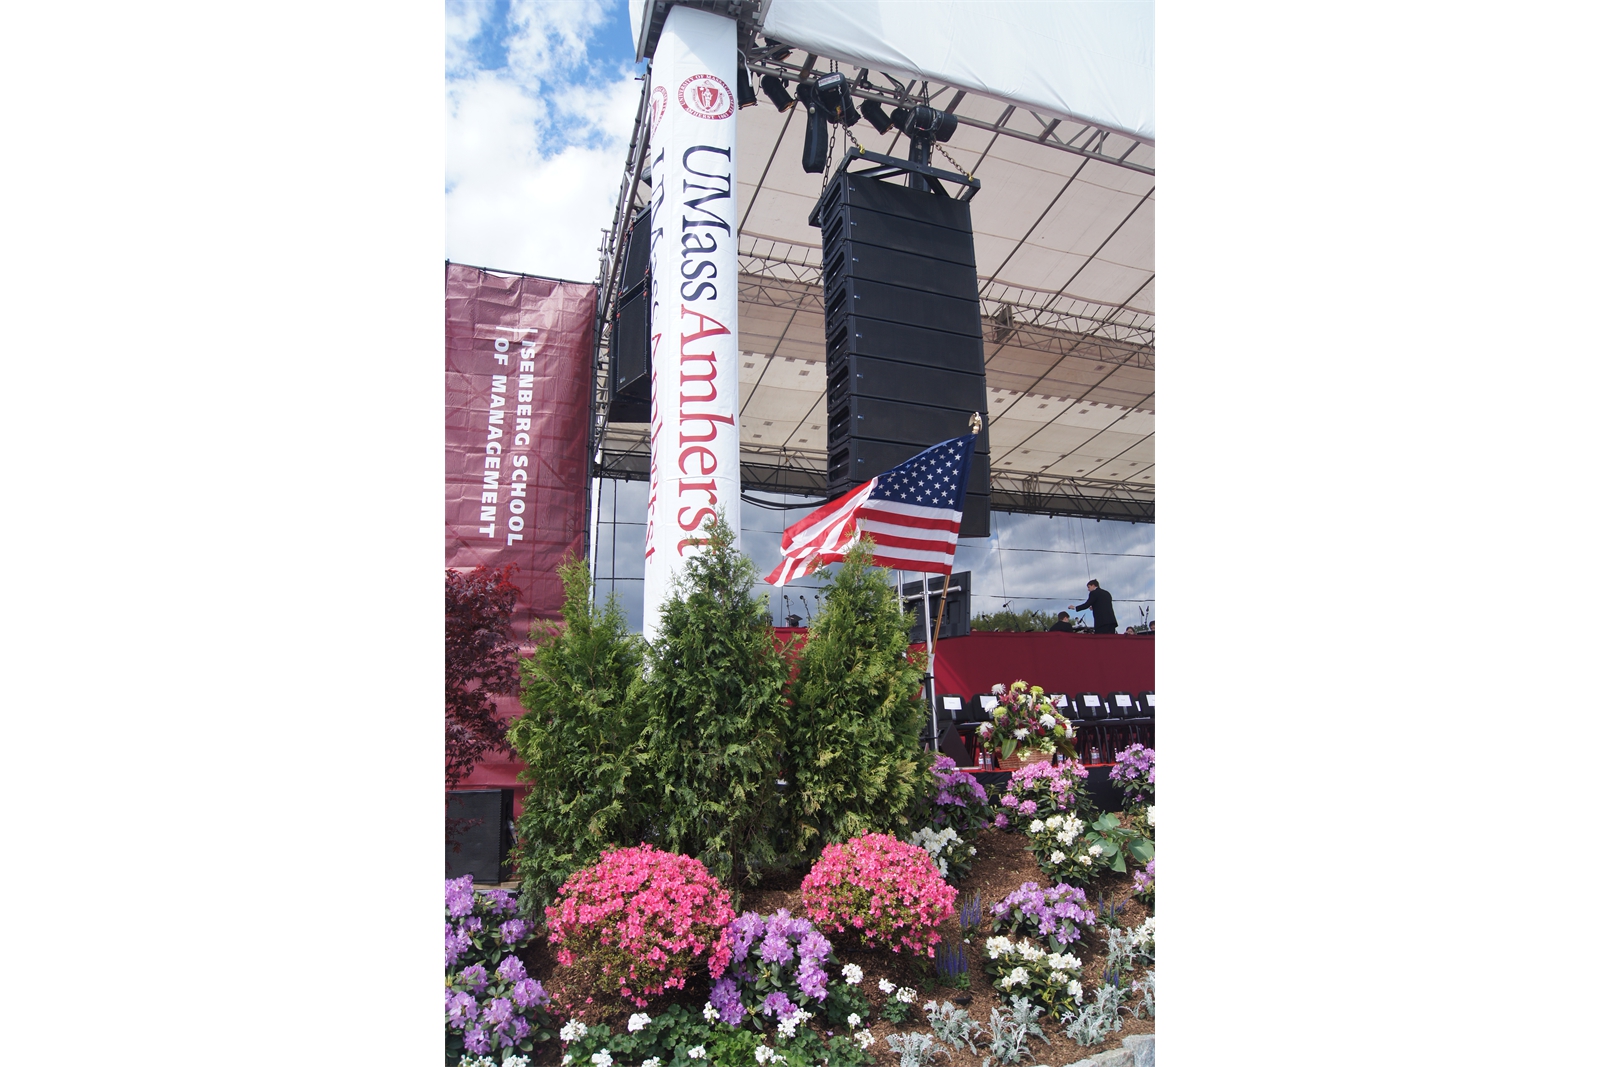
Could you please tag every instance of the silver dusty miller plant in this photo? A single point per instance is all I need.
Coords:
(1009, 1033)
(1099, 1018)
(954, 1026)
(1147, 1002)
(916, 1049)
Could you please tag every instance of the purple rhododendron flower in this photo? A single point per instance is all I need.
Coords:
(1028, 807)
(477, 1041)
(459, 1008)
(500, 901)
(458, 896)
(513, 930)
(511, 969)
(514, 1031)
(475, 978)
(775, 948)
(812, 979)
(498, 1011)
(1001, 822)
(725, 998)
(456, 942)
(528, 993)
(777, 1004)
(814, 946)
(1009, 800)
(472, 923)
(742, 933)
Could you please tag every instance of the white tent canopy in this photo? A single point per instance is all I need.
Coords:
(1064, 235)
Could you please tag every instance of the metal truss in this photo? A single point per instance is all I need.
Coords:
(792, 284)
(1086, 139)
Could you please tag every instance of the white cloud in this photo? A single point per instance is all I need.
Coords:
(535, 150)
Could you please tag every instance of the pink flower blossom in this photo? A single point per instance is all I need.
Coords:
(888, 890)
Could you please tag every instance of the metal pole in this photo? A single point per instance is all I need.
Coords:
(927, 639)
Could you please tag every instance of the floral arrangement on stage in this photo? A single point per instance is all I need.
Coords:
(1024, 719)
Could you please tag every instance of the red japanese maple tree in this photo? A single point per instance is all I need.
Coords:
(480, 660)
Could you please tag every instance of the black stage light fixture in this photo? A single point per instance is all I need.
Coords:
(746, 91)
(874, 114)
(923, 125)
(814, 153)
(833, 94)
(773, 86)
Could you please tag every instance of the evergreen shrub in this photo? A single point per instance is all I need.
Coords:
(715, 694)
(853, 750)
(581, 740)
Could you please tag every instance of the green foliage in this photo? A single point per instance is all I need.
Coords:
(580, 739)
(853, 752)
(1014, 621)
(1118, 844)
(715, 696)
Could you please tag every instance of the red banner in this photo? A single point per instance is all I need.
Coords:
(517, 360)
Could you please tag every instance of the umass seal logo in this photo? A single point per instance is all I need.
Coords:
(658, 107)
(705, 96)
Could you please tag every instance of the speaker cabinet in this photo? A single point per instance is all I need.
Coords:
(630, 330)
(480, 823)
(904, 333)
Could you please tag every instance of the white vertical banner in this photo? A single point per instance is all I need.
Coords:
(694, 302)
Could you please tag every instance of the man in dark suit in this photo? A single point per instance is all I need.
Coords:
(1099, 602)
(1063, 625)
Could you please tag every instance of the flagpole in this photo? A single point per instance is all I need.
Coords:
(927, 639)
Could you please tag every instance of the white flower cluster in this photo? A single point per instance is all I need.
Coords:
(698, 1052)
(1150, 816)
(638, 1021)
(790, 1023)
(1064, 961)
(906, 995)
(653, 1061)
(885, 986)
(1020, 733)
(1057, 856)
(710, 1013)
(1064, 828)
(852, 974)
(999, 947)
(1017, 977)
(1146, 933)
(1074, 987)
(854, 1020)
(601, 1059)
(510, 1061)
(1096, 851)
(573, 1031)
(865, 1039)
(765, 1055)
(938, 845)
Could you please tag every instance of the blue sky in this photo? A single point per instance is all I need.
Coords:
(540, 99)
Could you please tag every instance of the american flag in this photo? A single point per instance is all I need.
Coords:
(912, 511)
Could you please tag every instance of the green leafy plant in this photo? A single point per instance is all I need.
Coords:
(852, 745)
(1014, 621)
(1118, 843)
(715, 694)
(580, 738)
(1021, 968)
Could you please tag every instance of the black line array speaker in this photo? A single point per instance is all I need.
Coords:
(904, 334)
(481, 825)
(630, 330)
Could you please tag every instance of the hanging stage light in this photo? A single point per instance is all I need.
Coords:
(746, 91)
(873, 111)
(814, 152)
(833, 94)
(773, 86)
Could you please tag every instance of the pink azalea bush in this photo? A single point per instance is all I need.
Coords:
(887, 890)
(641, 919)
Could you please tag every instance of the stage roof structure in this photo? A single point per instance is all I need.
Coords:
(1064, 231)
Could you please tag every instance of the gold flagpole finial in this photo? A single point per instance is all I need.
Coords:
(976, 422)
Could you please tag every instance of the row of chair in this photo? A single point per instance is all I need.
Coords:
(1080, 707)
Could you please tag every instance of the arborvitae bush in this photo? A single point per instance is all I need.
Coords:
(715, 692)
(581, 741)
(854, 754)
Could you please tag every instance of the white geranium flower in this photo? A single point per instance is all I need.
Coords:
(637, 1021)
(710, 1013)
(852, 974)
(573, 1031)
(885, 985)
(698, 1052)
(601, 1059)
(854, 1020)
(865, 1038)
(906, 995)
(653, 1061)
